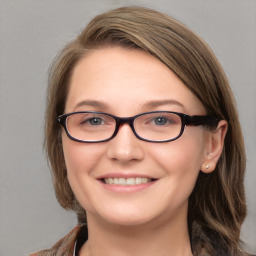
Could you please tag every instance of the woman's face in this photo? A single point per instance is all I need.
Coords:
(125, 83)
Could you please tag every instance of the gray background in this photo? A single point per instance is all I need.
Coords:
(31, 33)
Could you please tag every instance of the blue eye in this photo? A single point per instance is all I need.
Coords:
(95, 121)
(160, 120)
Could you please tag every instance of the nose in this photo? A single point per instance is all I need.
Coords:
(125, 147)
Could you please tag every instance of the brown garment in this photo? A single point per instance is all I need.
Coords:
(64, 247)
(202, 244)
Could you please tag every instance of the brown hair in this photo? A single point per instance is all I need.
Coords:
(218, 201)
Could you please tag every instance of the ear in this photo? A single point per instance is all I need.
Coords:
(215, 143)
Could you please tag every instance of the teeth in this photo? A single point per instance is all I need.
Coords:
(137, 181)
(127, 182)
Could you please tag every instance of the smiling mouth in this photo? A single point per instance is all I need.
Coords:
(127, 181)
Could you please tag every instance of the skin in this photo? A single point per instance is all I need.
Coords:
(151, 221)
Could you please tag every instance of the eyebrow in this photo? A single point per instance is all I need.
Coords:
(92, 103)
(157, 103)
(149, 104)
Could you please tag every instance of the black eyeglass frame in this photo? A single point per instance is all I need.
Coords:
(186, 120)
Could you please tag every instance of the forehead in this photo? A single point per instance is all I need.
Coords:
(125, 79)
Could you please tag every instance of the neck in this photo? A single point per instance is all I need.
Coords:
(169, 239)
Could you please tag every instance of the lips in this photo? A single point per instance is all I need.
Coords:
(127, 181)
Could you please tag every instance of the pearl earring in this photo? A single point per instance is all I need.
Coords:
(207, 166)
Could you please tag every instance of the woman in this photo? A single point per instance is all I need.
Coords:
(147, 147)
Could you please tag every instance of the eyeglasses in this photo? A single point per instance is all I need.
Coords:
(157, 126)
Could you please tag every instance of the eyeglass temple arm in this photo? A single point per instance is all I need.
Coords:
(210, 121)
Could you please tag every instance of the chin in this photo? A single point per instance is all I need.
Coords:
(127, 222)
(126, 218)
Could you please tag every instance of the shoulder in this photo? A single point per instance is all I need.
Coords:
(207, 242)
(64, 247)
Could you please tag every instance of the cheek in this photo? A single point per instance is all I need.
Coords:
(182, 156)
(181, 160)
(80, 158)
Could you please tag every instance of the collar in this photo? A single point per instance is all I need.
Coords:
(204, 243)
(200, 242)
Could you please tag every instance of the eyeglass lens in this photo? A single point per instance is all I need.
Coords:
(97, 126)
